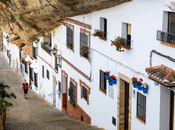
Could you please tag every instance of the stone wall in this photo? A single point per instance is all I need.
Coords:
(2, 120)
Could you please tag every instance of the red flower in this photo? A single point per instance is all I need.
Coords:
(112, 41)
(111, 44)
(123, 50)
(141, 79)
(120, 50)
(115, 44)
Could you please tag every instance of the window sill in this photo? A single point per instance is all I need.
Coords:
(126, 47)
(167, 44)
(102, 39)
(102, 91)
(140, 120)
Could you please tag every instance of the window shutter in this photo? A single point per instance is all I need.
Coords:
(86, 40)
(124, 30)
(37, 80)
(83, 91)
(171, 28)
(56, 65)
(102, 24)
(34, 52)
(81, 40)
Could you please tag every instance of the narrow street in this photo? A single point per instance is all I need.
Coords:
(33, 113)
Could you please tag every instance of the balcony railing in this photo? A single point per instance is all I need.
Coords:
(166, 37)
(127, 43)
(46, 47)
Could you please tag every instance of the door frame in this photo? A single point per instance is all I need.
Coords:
(63, 72)
(121, 90)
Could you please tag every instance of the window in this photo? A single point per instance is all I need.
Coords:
(171, 23)
(103, 28)
(113, 121)
(141, 106)
(102, 82)
(81, 118)
(84, 46)
(43, 71)
(36, 79)
(31, 74)
(70, 37)
(47, 74)
(126, 34)
(56, 65)
(35, 52)
(72, 94)
(84, 92)
(26, 67)
(59, 86)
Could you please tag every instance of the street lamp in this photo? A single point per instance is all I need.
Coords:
(54, 50)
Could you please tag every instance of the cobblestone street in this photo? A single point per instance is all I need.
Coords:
(33, 113)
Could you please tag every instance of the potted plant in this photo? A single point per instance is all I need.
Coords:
(97, 33)
(107, 74)
(145, 88)
(114, 80)
(118, 42)
(73, 103)
(139, 83)
(134, 82)
(84, 51)
(110, 81)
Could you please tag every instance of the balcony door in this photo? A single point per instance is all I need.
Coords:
(171, 110)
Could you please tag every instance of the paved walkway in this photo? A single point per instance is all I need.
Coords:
(34, 113)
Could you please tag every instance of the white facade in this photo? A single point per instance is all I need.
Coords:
(145, 18)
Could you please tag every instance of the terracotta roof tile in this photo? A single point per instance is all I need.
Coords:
(162, 74)
(7, 30)
(28, 50)
(17, 42)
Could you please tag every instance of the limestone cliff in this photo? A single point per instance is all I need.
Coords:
(39, 17)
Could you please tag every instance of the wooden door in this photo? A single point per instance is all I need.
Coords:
(126, 108)
(171, 110)
(64, 92)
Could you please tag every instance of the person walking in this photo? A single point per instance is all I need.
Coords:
(25, 88)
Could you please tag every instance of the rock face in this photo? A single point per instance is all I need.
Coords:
(39, 17)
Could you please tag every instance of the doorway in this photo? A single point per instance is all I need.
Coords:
(64, 92)
(54, 91)
(171, 110)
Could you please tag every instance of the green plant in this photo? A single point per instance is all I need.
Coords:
(19, 16)
(118, 42)
(145, 85)
(96, 33)
(107, 72)
(134, 80)
(139, 82)
(3, 95)
(73, 103)
(110, 79)
(84, 48)
(37, 40)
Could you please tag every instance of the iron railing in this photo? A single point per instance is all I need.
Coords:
(127, 43)
(166, 37)
(46, 48)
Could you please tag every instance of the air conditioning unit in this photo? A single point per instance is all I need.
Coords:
(59, 61)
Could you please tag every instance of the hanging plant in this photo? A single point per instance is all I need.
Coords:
(110, 81)
(139, 83)
(107, 74)
(114, 80)
(145, 88)
(118, 42)
(134, 82)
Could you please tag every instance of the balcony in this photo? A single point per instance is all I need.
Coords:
(127, 43)
(46, 46)
(166, 38)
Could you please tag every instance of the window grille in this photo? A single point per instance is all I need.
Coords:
(35, 52)
(72, 92)
(43, 71)
(36, 79)
(31, 74)
(102, 81)
(26, 67)
(141, 106)
(84, 46)
(84, 92)
(69, 38)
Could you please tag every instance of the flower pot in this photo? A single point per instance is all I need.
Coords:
(110, 83)
(145, 90)
(134, 85)
(139, 87)
(99, 34)
(106, 76)
(114, 81)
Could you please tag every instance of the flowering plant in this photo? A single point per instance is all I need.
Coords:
(110, 79)
(113, 77)
(118, 42)
(107, 72)
(139, 82)
(145, 85)
(134, 80)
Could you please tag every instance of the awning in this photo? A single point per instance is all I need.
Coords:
(162, 74)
